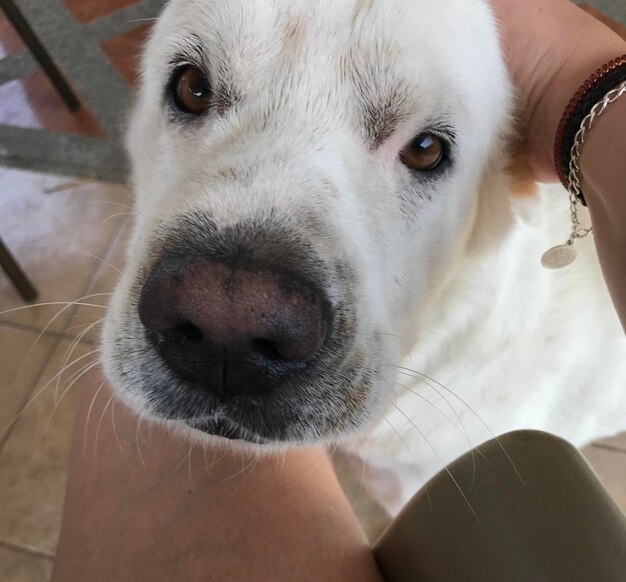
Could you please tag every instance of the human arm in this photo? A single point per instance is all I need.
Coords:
(552, 47)
(168, 513)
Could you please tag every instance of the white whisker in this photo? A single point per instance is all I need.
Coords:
(243, 470)
(250, 470)
(411, 453)
(69, 353)
(206, 461)
(40, 392)
(497, 440)
(74, 250)
(117, 436)
(172, 473)
(95, 445)
(113, 216)
(72, 381)
(93, 402)
(73, 328)
(443, 464)
(43, 331)
(140, 432)
(138, 442)
(105, 203)
(460, 427)
(191, 448)
(53, 303)
(437, 409)
(216, 462)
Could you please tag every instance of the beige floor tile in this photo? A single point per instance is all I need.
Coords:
(34, 461)
(53, 232)
(618, 442)
(19, 369)
(104, 282)
(22, 567)
(611, 467)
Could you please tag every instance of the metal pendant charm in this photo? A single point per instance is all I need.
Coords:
(559, 257)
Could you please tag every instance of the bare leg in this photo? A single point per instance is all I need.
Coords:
(170, 514)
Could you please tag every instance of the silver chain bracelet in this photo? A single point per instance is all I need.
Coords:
(564, 255)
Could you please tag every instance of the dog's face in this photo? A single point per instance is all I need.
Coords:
(306, 175)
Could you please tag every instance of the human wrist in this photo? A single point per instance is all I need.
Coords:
(603, 175)
(555, 96)
(606, 136)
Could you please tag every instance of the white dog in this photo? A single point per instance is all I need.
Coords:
(331, 244)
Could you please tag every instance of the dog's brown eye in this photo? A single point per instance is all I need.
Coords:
(424, 153)
(192, 91)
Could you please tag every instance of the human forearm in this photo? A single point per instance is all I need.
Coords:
(170, 514)
(603, 165)
(551, 47)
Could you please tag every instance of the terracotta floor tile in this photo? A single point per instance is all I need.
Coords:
(35, 459)
(105, 282)
(56, 238)
(10, 41)
(89, 10)
(19, 369)
(33, 102)
(124, 51)
(22, 567)
(611, 468)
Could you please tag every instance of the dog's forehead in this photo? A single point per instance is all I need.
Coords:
(390, 35)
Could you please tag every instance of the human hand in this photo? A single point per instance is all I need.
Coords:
(551, 47)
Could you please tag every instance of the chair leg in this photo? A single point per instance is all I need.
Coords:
(40, 54)
(16, 275)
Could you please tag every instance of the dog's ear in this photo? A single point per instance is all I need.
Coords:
(522, 184)
(519, 171)
(507, 195)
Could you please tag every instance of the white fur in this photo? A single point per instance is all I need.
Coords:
(507, 346)
(450, 284)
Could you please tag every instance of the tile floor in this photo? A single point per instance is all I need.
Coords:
(70, 237)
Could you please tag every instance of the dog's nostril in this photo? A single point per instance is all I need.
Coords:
(266, 349)
(189, 332)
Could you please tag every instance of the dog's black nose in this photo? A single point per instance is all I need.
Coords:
(229, 329)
